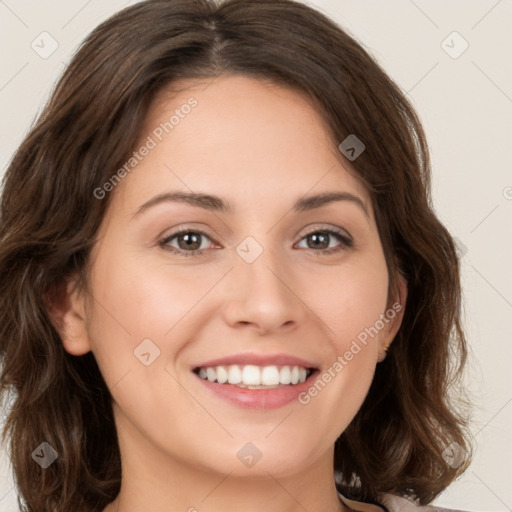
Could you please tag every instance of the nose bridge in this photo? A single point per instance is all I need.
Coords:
(261, 264)
(263, 286)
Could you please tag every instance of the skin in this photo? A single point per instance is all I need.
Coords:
(260, 147)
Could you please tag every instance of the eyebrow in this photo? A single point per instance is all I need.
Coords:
(216, 204)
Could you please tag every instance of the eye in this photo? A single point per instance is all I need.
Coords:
(189, 242)
(320, 238)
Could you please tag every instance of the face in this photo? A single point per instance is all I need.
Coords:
(261, 281)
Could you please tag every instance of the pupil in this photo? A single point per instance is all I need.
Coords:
(315, 237)
(191, 238)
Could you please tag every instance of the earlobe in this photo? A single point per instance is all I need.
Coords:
(66, 309)
(395, 315)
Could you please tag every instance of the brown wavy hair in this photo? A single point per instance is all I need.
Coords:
(50, 217)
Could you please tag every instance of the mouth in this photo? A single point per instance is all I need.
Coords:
(256, 381)
(248, 376)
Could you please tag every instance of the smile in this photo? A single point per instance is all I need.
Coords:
(255, 377)
(256, 387)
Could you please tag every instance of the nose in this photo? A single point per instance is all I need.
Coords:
(264, 295)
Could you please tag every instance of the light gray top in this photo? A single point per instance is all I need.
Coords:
(394, 504)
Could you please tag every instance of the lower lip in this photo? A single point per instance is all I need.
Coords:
(258, 398)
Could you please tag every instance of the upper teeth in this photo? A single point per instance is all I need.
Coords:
(254, 375)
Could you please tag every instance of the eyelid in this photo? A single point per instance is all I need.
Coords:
(166, 239)
(328, 228)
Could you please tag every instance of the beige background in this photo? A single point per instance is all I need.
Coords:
(466, 107)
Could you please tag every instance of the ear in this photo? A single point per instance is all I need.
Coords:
(66, 309)
(394, 316)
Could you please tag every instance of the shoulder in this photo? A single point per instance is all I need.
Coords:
(394, 503)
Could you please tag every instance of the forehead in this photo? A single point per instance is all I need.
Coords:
(240, 137)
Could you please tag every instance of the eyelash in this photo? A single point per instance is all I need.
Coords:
(346, 242)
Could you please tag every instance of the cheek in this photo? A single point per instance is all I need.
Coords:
(358, 299)
(351, 309)
(351, 301)
(136, 300)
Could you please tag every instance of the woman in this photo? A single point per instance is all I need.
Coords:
(224, 283)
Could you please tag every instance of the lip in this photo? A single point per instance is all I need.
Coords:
(257, 360)
(257, 399)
